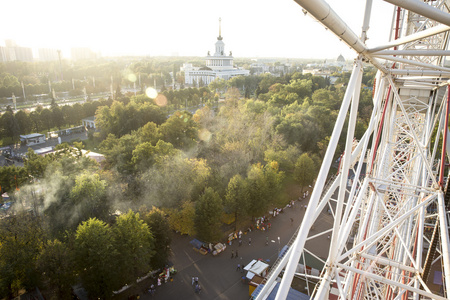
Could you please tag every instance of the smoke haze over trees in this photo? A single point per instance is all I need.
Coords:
(184, 172)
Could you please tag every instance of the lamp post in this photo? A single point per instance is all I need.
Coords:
(14, 101)
(279, 245)
(23, 91)
(60, 67)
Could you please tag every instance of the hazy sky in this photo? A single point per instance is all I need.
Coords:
(250, 28)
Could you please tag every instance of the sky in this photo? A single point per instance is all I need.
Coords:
(250, 28)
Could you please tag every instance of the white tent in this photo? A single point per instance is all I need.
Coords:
(256, 267)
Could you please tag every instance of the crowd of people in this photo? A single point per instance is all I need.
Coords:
(261, 223)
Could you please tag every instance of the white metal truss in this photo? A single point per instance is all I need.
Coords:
(388, 233)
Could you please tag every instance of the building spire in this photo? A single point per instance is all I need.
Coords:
(220, 36)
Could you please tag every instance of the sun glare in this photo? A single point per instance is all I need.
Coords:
(132, 77)
(151, 93)
(161, 100)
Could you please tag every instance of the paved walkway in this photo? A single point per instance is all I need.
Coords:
(217, 274)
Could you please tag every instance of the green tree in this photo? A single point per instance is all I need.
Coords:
(208, 213)
(68, 115)
(35, 121)
(263, 183)
(286, 158)
(236, 198)
(46, 118)
(149, 133)
(95, 258)
(273, 178)
(302, 87)
(305, 170)
(71, 161)
(173, 181)
(237, 82)
(134, 244)
(180, 130)
(23, 121)
(119, 153)
(56, 263)
(121, 119)
(232, 96)
(218, 85)
(36, 164)
(10, 80)
(21, 238)
(12, 178)
(9, 126)
(145, 155)
(88, 198)
(159, 227)
(182, 219)
(107, 120)
(76, 114)
(257, 201)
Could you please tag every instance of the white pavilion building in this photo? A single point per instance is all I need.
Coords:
(218, 65)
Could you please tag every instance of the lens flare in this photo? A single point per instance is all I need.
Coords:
(204, 135)
(161, 100)
(132, 77)
(151, 93)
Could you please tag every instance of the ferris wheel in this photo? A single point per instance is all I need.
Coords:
(379, 228)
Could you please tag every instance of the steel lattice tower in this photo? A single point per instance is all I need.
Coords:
(388, 232)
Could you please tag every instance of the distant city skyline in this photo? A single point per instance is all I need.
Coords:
(250, 28)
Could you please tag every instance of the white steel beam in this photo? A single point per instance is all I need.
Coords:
(445, 242)
(320, 182)
(321, 11)
(388, 262)
(413, 52)
(423, 9)
(415, 139)
(413, 63)
(430, 32)
(425, 73)
(391, 282)
(369, 241)
(386, 212)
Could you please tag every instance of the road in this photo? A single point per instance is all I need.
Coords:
(217, 274)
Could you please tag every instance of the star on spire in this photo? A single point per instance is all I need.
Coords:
(220, 36)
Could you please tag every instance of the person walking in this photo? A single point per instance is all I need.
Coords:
(238, 267)
(292, 221)
(237, 254)
(232, 253)
(152, 290)
(240, 242)
(249, 241)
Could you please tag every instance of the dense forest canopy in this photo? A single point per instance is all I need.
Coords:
(165, 169)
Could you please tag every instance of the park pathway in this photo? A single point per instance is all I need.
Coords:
(217, 274)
